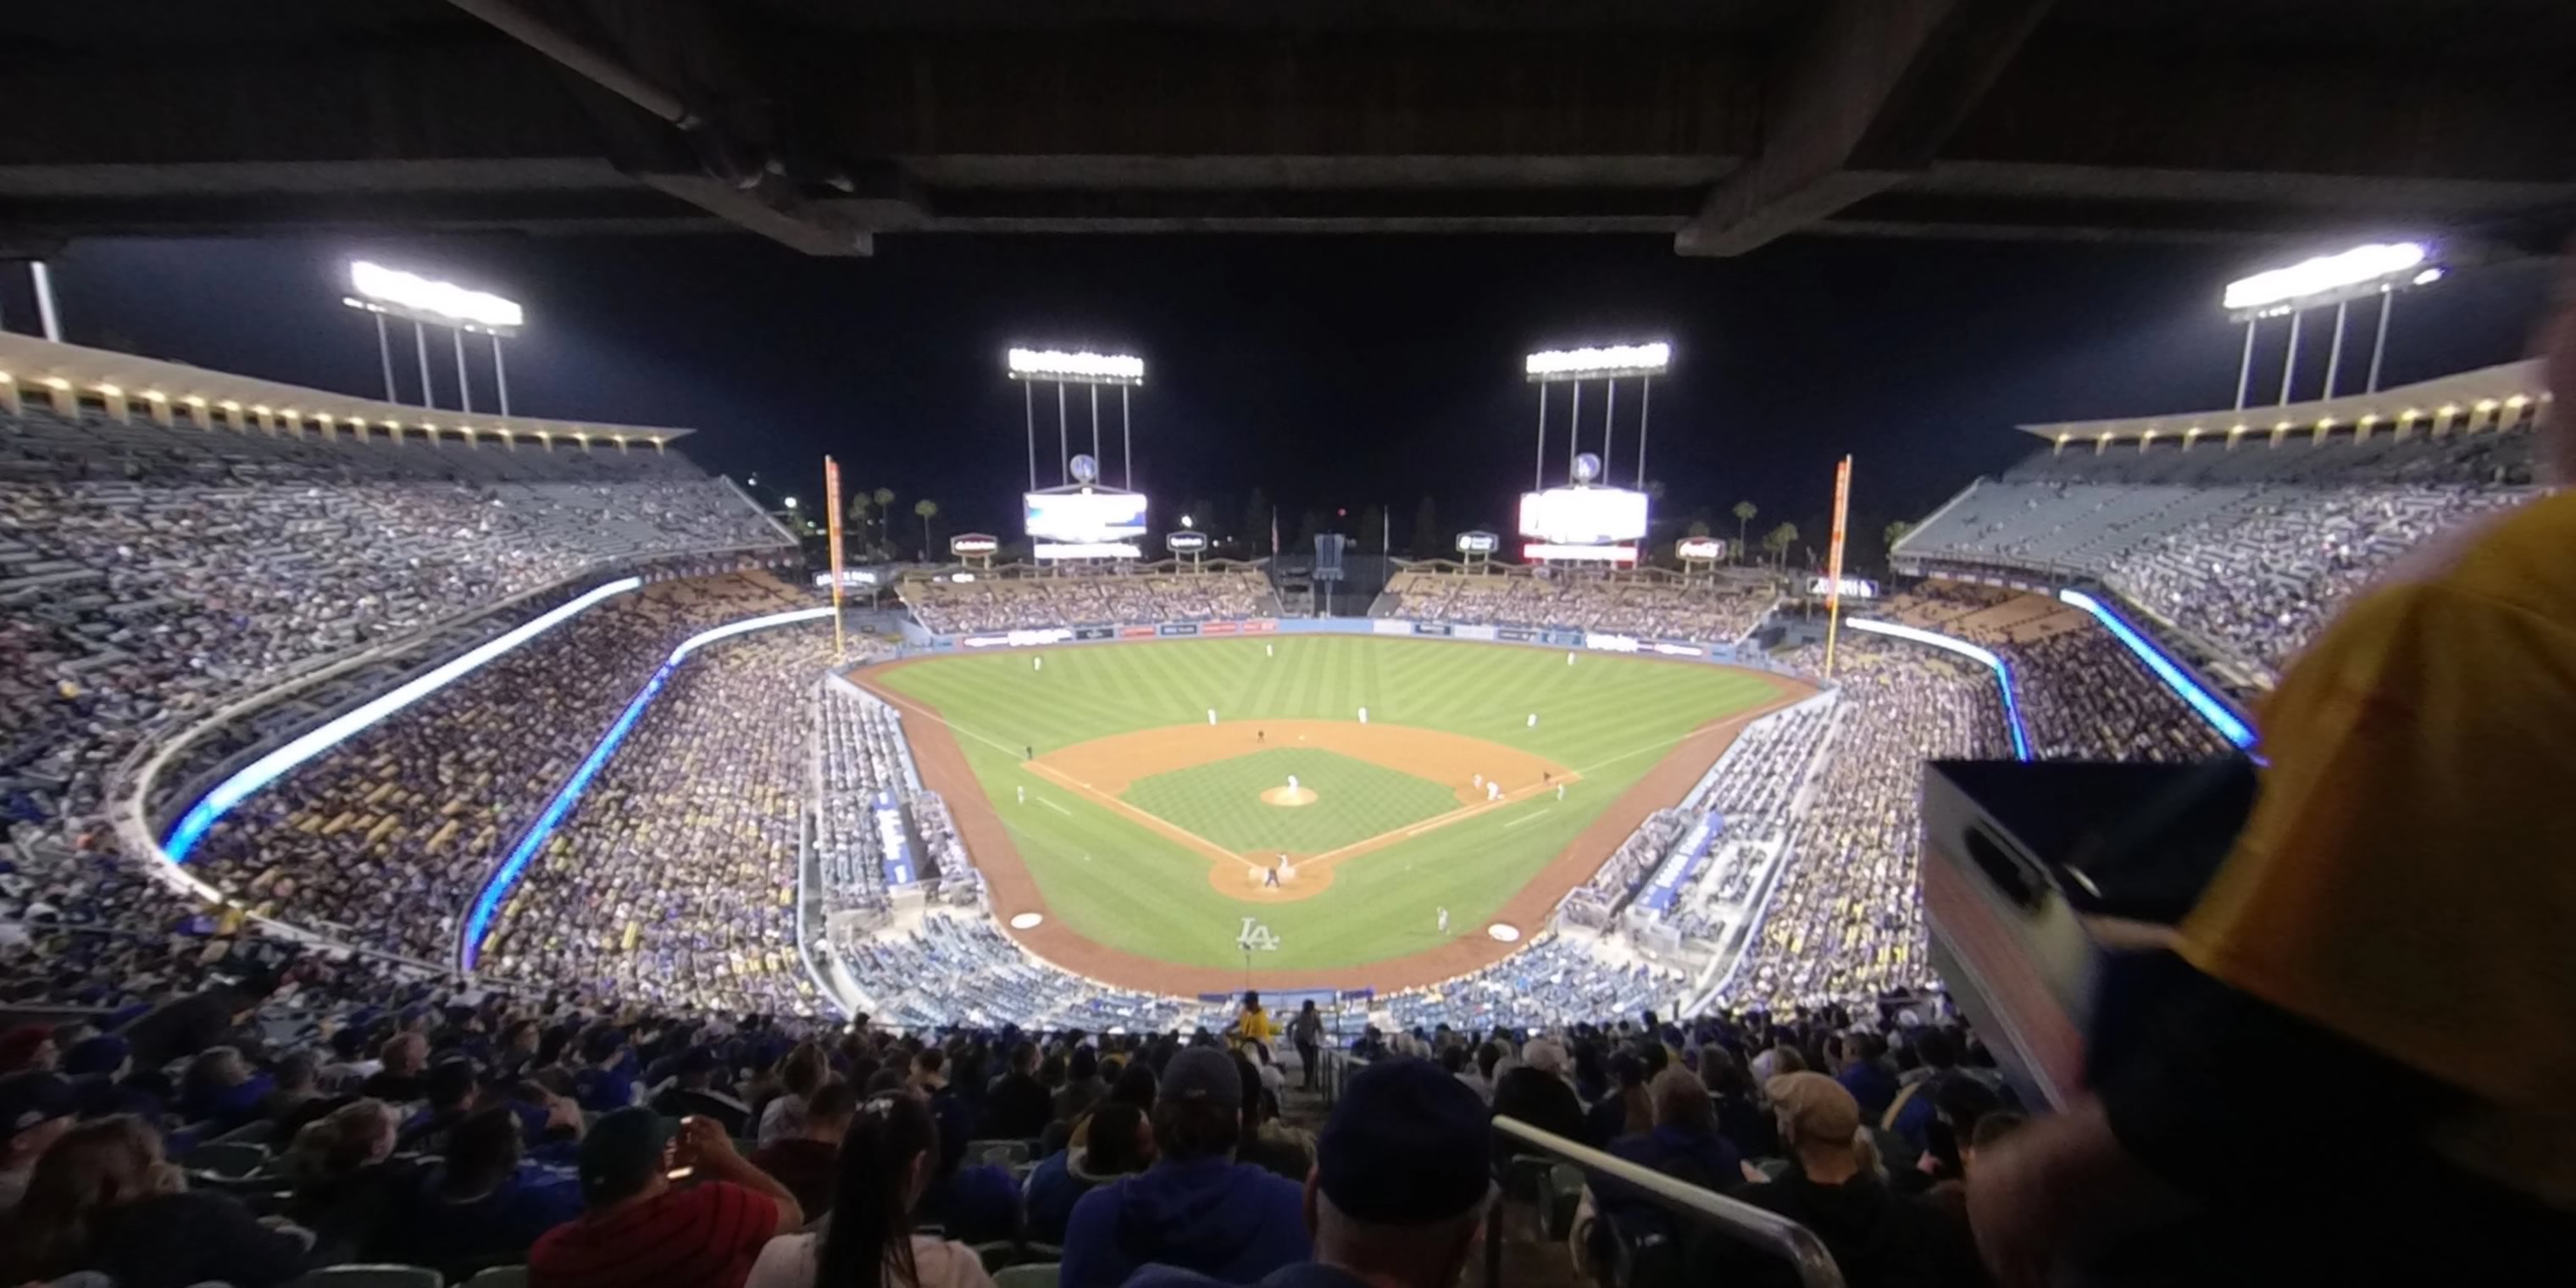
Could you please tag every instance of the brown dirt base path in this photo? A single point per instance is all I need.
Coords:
(944, 770)
(1102, 769)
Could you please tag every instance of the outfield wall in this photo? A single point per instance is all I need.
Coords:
(918, 640)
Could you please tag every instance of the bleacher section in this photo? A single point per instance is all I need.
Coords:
(1035, 601)
(2245, 547)
(1649, 604)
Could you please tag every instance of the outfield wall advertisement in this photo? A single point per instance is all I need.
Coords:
(918, 640)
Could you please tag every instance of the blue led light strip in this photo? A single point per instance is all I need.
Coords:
(267, 769)
(2200, 699)
(487, 903)
(1953, 644)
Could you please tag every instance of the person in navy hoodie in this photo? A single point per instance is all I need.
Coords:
(1196, 1209)
(1399, 1192)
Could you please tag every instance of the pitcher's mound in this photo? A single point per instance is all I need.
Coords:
(1289, 796)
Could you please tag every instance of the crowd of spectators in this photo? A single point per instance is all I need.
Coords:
(673, 880)
(1226, 592)
(2085, 696)
(382, 839)
(150, 574)
(2261, 580)
(2251, 547)
(1650, 604)
(1561, 973)
(1846, 918)
(864, 765)
(958, 967)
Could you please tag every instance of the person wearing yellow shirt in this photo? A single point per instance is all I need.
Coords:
(2366, 1070)
(1254, 1024)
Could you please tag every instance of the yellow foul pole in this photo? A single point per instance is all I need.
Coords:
(1834, 562)
(832, 526)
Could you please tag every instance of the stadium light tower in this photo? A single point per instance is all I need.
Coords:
(1608, 364)
(2378, 268)
(425, 302)
(1033, 367)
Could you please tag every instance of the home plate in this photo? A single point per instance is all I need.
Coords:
(1290, 796)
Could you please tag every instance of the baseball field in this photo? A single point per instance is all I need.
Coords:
(1097, 793)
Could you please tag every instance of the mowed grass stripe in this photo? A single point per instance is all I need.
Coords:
(1143, 893)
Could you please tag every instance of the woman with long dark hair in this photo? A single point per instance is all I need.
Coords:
(888, 1158)
(102, 1199)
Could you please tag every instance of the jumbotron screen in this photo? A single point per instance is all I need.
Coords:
(1580, 516)
(1085, 517)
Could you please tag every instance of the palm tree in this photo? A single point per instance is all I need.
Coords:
(1778, 541)
(927, 509)
(885, 508)
(1744, 513)
(855, 511)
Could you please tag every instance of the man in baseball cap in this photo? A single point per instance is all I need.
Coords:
(35, 1110)
(1196, 1209)
(1876, 1235)
(1399, 1190)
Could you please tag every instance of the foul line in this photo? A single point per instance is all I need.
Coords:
(1151, 821)
(1053, 806)
(1527, 817)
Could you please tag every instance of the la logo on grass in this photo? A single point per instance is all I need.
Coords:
(1257, 936)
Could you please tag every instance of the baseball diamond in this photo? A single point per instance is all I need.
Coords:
(1094, 789)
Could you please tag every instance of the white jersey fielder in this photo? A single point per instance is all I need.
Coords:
(1444, 921)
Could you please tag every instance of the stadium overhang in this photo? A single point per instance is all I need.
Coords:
(69, 377)
(2506, 396)
(1721, 124)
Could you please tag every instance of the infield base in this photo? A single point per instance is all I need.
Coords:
(1289, 796)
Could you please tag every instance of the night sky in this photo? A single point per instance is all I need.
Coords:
(1329, 371)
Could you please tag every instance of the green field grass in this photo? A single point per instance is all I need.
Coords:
(1120, 883)
(1354, 800)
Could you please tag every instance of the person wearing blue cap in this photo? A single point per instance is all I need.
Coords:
(1399, 1191)
(1196, 1209)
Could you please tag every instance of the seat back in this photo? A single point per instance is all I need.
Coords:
(1035, 1275)
(376, 1276)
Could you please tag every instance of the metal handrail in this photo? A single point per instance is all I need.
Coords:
(1769, 1231)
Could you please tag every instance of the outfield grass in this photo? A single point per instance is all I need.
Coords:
(1120, 883)
(1354, 800)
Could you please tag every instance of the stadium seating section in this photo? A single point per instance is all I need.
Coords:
(2245, 550)
(1650, 604)
(1222, 592)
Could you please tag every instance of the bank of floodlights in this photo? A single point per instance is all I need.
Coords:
(1034, 367)
(2378, 268)
(427, 302)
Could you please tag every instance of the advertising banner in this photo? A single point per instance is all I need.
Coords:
(1095, 632)
(1431, 628)
(1611, 643)
(1561, 639)
(1475, 632)
(1216, 628)
(1391, 626)
(1019, 639)
(1514, 634)
(1135, 632)
(1260, 626)
(1177, 628)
